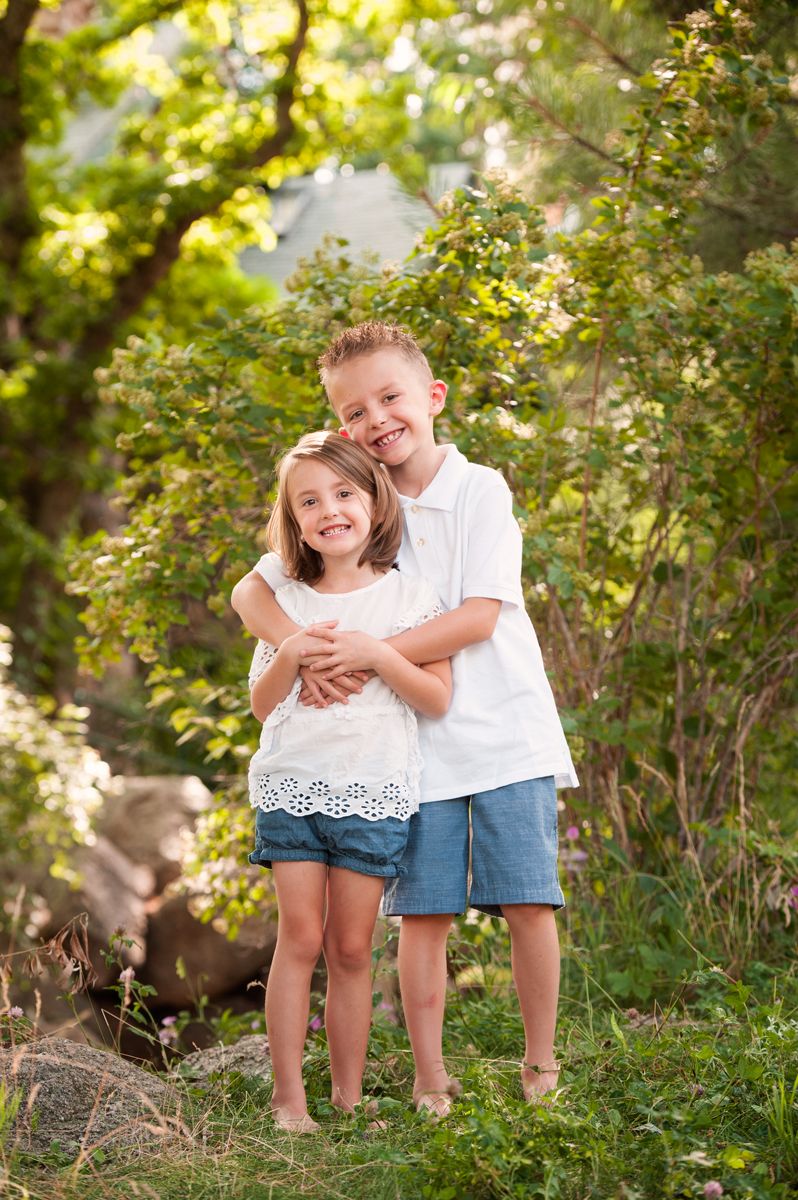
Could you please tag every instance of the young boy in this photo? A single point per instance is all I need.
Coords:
(492, 763)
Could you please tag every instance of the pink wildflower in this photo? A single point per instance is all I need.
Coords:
(126, 977)
(713, 1189)
(169, 1020)
(15, 1011)
(315, 1024)
(572, 833)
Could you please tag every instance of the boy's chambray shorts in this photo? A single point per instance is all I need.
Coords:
(513, 847)
(370, 847)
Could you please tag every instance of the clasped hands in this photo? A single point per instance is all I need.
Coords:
(335, 664)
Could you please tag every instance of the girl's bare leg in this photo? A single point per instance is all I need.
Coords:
(422, 978)
(536, 971)
(300, 888)
(353, 901)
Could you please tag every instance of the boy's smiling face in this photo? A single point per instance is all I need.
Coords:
(386, 404)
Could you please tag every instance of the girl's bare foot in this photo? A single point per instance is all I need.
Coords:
(540, 1082)
(292, 1123)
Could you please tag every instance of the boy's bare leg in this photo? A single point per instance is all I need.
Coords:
(353, 901)
(536, 971)
(300, 888)
(422, 979)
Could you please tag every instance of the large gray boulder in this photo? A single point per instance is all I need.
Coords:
(147, 816)
(114, 891)
(249, 1056)
(82, 1098)
(212, 965)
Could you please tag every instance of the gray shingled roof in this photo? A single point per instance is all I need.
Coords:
(368, 208)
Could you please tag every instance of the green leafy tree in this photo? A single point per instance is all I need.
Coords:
(554, 85)
(206, 108)
(642, 411)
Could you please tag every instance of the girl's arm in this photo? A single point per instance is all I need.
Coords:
(270, 688)
(426, 688)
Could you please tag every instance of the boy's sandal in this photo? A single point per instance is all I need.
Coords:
(532, 1093)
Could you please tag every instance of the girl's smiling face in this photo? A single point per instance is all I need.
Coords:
(334, 517)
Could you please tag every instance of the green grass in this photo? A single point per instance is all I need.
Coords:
(652, 1106)
(677, 1072)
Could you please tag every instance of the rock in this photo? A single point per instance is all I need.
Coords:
(114, 892)
(249, 1056)
(145, 816)
(213, 964)
(82, 1098)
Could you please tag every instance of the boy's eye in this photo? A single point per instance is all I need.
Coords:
(354, 416)
(391, 396)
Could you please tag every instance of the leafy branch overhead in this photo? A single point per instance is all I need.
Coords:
(137, 154)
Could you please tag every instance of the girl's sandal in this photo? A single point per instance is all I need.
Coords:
(438, 1104)
(540, 1095)
(303, 1124)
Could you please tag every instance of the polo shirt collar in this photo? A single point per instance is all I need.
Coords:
(442, 491)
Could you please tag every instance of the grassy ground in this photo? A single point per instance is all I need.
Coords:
(696, 1091)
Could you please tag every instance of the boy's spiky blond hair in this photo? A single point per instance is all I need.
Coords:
(366, 338)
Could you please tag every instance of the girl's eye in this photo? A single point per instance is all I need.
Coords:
(391, 396)
(307, 503)
(344, 493)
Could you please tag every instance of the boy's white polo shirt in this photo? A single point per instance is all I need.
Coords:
(502, 726)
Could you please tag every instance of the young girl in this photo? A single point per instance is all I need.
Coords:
(335, 786)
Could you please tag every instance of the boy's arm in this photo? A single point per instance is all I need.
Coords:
(474, 621)
(261, 615)
(438, 638)
(428, 689)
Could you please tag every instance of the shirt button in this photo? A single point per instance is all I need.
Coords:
(414, 508)
(419, 541)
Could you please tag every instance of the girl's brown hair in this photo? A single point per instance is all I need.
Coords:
(341, 455)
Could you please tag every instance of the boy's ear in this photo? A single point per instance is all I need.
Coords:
(437, 396)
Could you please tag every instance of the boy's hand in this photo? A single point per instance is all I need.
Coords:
(317, 692)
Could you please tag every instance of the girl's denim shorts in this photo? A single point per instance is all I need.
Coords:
(483, 851)
(370, 847)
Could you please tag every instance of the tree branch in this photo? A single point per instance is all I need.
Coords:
(614, 55)
(549, 116)
(16, 217)
(147, 272)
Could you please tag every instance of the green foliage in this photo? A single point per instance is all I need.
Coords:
(137, 154)
(658, 1103)
(555, 87)
(641, 411)
(52, 786)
